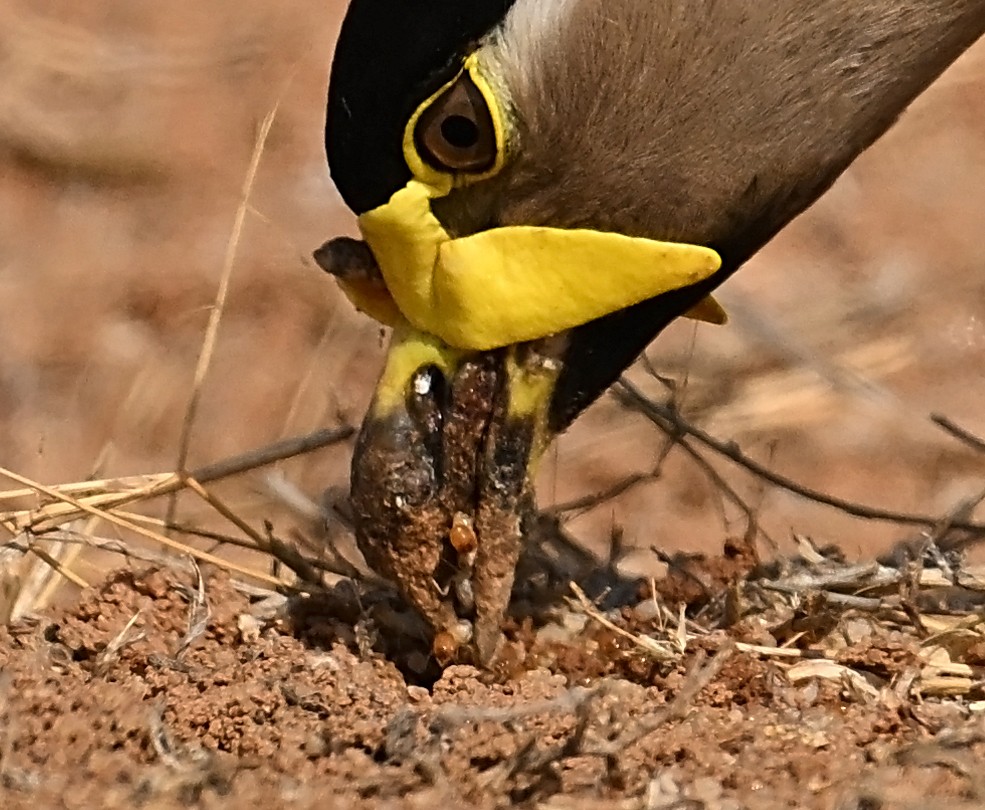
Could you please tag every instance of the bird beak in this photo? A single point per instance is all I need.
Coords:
(442, 480)
(442, 472)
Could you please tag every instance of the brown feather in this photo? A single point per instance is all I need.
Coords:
(700, 119)
(714, 122)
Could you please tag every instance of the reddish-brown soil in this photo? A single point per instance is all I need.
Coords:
(114, 702)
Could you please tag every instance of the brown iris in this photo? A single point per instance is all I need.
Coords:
(456, 132)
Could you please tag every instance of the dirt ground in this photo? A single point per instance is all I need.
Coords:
(125, 136)
(156, 690)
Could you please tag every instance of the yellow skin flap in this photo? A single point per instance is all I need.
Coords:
(514, 284)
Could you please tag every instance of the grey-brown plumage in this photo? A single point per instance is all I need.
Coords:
(713, 122)
(697, 120)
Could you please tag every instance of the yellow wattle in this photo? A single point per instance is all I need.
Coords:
(514, 284)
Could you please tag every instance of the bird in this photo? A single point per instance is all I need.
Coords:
(541, 187)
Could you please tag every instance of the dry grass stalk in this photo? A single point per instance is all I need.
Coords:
(56, 511)
(57, 565)
(222, 294)
(198, 615)
(111, 652)
(134, 483)
(157, 537)
(668, 650)
(46, 533)
(82, 540)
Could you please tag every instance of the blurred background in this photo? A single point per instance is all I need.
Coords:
(126, 131)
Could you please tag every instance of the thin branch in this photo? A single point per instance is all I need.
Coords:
(630, 395)
(752, 522)
(676, 439)
(290, 556)
(278, 451)
(164, 485)
(958, 432)
(586, 503)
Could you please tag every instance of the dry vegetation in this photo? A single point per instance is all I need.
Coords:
(162, 186)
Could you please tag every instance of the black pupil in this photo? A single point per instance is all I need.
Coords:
(460, 132)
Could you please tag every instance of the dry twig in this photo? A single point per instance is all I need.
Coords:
(958, 432)
(198, 614)
(670, 650)
(222, 293)
(61, 510)
(662, 414)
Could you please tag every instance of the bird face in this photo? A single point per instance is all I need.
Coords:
(543, 185)
(485, 287)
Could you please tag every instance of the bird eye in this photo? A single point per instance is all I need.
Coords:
(456, 132)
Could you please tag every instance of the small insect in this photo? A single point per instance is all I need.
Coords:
(444, 648)
(447, 643)
(462, 535)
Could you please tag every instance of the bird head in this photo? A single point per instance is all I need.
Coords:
(541, 187)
